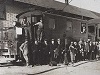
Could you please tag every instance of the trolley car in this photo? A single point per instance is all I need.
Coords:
(94, 29)
(55, 26)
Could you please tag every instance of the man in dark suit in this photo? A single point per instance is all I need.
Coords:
(94, 50)
(58, 52)
(76, 47)
(66, 54)
(86, 50)
(46, 52)
(35, 53)
(81, 50)
(90, 50)
(52, 48)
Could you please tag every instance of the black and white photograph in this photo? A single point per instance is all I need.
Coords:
(49, 37)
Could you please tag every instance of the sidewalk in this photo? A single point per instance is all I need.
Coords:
(23, 70)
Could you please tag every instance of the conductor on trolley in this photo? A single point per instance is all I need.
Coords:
(39, 30)
(26, 26)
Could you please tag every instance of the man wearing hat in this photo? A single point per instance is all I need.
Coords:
(35, 54)
(46, 52)
(52, 48)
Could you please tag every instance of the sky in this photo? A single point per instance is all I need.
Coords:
(93, 5)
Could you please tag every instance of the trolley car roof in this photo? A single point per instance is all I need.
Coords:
(29, 13)
(94, 21)
(60, 6)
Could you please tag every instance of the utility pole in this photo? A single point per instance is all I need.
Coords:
(67, 2)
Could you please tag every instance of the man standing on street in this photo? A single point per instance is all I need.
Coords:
(72, 53)
(24, 49)
(52, 48)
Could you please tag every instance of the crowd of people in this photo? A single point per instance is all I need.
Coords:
(55, 52)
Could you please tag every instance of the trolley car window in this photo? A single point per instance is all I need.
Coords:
(34, 19)
(83, 27)
(69, 25)
(29, 19)
(51, 23)
(91, 29)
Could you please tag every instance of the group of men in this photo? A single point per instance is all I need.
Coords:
(80, 51)
(45, 52)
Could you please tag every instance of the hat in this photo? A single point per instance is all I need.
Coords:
(26, 39)
(58, 39)
(52, 39)
(45, 39)
(24, 17)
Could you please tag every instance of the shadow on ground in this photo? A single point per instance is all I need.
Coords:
(45, 71)
(85, 62)
(80, 64)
